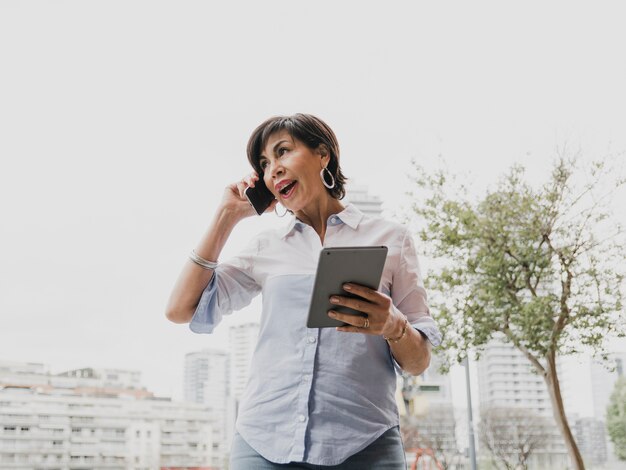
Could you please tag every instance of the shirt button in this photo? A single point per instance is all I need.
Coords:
(333, 220)
(301, 418)
(311, 339)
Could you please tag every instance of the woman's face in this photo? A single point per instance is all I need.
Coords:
(291, 171)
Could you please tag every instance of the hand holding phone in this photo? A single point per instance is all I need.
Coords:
(259, 196)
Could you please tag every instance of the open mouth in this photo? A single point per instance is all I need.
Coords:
(287, 190)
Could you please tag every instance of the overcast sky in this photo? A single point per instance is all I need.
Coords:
(122, 121)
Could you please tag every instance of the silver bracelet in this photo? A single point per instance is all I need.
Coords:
(193, 256)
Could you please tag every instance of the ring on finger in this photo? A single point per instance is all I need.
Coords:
(366, 324)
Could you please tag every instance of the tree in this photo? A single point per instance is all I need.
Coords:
(512, 435)
(616, 418)
(539, 266)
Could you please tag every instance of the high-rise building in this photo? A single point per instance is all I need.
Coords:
(365, 202)
(206, 378)
(586, 385)
(243, 339)
(506, 381)
(590, 435)
(96, 419)
(206, 382)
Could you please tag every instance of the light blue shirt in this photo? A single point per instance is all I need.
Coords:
(315, 395)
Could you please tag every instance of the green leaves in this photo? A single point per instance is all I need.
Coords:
(616, 418)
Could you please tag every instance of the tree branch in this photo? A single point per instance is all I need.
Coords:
(530, 356)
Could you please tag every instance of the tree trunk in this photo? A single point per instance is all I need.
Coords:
(554, 389)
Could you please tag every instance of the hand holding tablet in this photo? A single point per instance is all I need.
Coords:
(337, 266)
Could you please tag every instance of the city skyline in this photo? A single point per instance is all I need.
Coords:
(505, 381)
(116, 147)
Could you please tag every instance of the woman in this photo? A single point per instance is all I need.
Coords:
(316, 398)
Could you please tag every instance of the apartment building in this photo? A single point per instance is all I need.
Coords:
(367, 203)
(206, 382)
(586, 385)
(506, 381)
(96, 419)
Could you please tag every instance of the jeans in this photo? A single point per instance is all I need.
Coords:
(385, 453)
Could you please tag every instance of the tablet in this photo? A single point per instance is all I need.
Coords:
(337, 265)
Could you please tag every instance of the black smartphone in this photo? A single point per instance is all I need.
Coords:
(259, 197)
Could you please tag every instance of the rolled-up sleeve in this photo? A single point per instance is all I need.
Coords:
(408, 293)
(232, 288)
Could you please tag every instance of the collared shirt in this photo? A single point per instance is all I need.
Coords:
(315, 395)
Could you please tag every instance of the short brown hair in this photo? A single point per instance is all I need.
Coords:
(306, 128)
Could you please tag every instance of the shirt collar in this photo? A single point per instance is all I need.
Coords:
(350, 215)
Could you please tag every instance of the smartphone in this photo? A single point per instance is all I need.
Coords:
(259, 197)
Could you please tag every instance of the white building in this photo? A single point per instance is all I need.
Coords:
(365, 202)
(243, 339)
(206, 378)
(206, 382)
(587, 385)
(506, 380)
(90, 418)
(590, 435)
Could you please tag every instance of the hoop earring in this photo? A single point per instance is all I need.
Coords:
(276, 212)
(329, 186)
